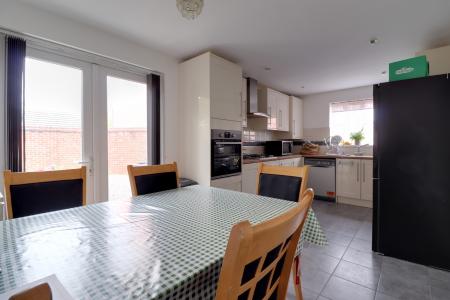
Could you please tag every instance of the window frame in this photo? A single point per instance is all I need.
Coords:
(330, 113)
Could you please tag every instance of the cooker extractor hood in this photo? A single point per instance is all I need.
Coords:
(255, 107)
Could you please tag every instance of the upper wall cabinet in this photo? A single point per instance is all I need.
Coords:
(283, 112)
(226, 89)
(277, 108)
(296, 107)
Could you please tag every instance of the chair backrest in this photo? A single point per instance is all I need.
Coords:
(30, 193)
(152, 179)
(39, 292)
(287, 183)
(258, 259)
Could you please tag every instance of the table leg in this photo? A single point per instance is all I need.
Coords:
(296, 278)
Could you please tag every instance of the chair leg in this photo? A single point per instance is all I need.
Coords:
(296, 278)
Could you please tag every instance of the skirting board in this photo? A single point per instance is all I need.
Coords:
(356, 202)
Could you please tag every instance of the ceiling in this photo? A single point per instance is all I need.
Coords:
(310, 45)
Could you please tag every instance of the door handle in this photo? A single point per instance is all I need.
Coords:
(88, 163)
(228, 143)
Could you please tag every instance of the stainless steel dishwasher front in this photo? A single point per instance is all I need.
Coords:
(322, 177)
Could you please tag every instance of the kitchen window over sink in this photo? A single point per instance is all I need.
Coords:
(351, 116)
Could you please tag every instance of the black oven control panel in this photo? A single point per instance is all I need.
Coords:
(217, 134)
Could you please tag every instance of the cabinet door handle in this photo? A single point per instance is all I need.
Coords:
(281, 119)
(269, 112)
(364, 172)
(357, 172)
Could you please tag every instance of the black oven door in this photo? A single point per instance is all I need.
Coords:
(226, 158)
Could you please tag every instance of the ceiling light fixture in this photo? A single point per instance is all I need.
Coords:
(374, 41)
(190, 9)
(267, 68)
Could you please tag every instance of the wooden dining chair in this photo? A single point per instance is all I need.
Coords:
(152, 179)
(258, 258)
(287, 183)
(30, 193)
(39, 292)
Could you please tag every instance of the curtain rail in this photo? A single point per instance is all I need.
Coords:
(79, 53)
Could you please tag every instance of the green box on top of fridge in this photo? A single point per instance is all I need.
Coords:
(415, 67)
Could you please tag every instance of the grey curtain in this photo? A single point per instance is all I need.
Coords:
(154, 94)
(15, 135)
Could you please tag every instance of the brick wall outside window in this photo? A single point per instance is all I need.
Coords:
(60, 148)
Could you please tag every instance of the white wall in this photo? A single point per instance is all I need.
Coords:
(316, 108)
(439, 60)
(26, 19)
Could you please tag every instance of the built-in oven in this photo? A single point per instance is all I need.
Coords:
(226, 153)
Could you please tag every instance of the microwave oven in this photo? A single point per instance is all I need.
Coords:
(279, 148)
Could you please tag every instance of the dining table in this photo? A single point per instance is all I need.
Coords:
(166, 245)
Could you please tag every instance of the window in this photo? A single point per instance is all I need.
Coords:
(352, 116)
(53, 113)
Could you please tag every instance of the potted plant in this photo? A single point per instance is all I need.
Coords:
(357, 137)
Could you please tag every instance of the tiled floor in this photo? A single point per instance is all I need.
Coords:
(347, 268)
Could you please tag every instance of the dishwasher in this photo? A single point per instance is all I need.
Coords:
(322, 178)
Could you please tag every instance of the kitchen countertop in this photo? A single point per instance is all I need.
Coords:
(260, 160)
(338, 156)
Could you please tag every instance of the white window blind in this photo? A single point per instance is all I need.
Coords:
(351, 116)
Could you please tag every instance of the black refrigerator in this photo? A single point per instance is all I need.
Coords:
(411, 215)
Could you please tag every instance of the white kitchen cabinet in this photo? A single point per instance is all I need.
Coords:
(354, 181)
(226, 89)
(233, 183)
(209, 89)
(244, 102)
(277, 108)
(367, 180)
(283, 112)
(347, 178)
(249, 173)
(296, 110)
(272, 109)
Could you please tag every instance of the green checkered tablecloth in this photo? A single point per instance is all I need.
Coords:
(167, 245)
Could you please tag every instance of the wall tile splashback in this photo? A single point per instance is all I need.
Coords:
(256, 136)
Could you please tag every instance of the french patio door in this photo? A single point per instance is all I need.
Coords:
(58, 114)
(78, 113)
(121, 137)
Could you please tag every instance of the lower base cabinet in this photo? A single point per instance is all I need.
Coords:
(354, 182)
(250, 172)
(233, 183)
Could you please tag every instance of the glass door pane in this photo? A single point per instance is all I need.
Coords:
(53, 116)
(127, 132)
